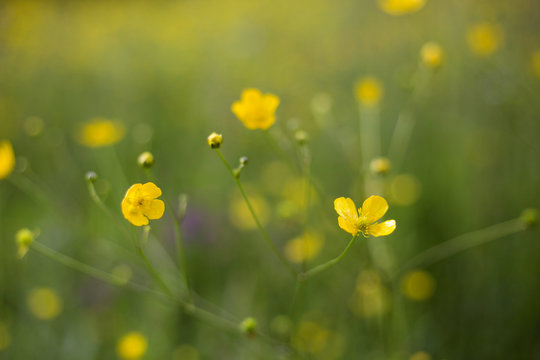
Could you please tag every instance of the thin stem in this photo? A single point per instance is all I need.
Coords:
(180, 248)
(265, 235)
(77, 265)
(463, 242)
(328, 264)
(149, 265)
(97, 199)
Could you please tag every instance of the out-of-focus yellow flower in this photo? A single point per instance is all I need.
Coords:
(370, 298)
(5, 337)
(7, 159)
(432, 55)
(405, 189)
(420, 355)
(123, 272)
(418, 285)
(400, 7)
(100, 132)
(140, 204)
(303, 248)
(310, 337)
(33, 126)
(131, 346)
(23, 239)
(241, 216)
(44, 303)
(186, 352)
(535, 62)
(369, 91)
(255, 110)
(363, 221)
(484, 38)
(380, 166)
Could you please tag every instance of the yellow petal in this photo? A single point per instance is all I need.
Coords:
(251, 95)
(137, 219)
(238, 109)
(7, 158)
(271, 102)
(155, 209)
(150, 190)
(347, 226)
(374, 208)
(133, 190)
(382, 229)
(345, 208)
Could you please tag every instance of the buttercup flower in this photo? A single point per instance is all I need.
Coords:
(364, 221)
(7, 159)
(255, 110)
(215, 140)
(132, 346)
(432, 55)
(400, 7)
(100, 132)
(484, 38)
(368, 91)
(140, 204)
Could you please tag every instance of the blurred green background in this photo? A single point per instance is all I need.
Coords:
(169, 72)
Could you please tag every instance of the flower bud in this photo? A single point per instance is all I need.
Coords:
(91, 177)
(244, 160)
(215, 140)
(380, 166)
(24, 238)
(529, 217)
(301, 137)
(432, 55)
(249, 326)
(146, 160)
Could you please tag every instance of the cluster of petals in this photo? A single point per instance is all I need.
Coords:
(364, 219)
(141, 204)
(255, 109)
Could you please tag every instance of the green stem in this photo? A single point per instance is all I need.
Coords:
(463, 242)
(97, 199)
(328, 264)
(266, 238)
(149, 265)
(180, 248)
(77, 265)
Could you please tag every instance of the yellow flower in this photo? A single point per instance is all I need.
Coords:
(418, 285)
(215, 140)
(255, 110)
(484, 38)
(303, 248)
(432, 55)
(132, 346)
(380, 165)
(400, 7)
(140, 204)
(420, 355)
(535, 61)
(372, 210)
(369, 91)
(23, 239)
(100, 132)
(44, 303)
(7, 159)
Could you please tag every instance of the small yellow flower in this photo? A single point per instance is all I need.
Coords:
(255, 110)
(44, 303)
(23, 239)
(100, 132)
(132, 346)
(432, 55)
(362, 221)
(215, 140)
(420, 355)
(303, 248)
(418, 285)
(369, 91)
(7, 159)
(535, 62)
(484, 38)
(140, 204)
(401, 7)
(380, 166)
